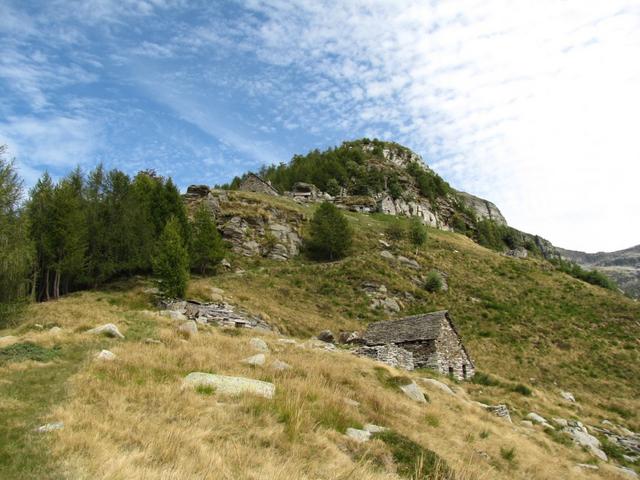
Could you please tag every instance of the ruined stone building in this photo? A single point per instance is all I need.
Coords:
(253, 183)
(429, 340)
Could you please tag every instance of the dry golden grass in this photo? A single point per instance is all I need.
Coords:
(130, 418)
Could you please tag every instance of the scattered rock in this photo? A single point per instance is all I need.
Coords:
(319, 344)
(152, 341)
(535, 418)
(50, 427)
(55, 330)
(439, 385)
(371, 428)
(106, 355)
(561, 422)
(627, 472)
(225, 263)
(587, 466)
(255, 360)
(259, 345)
(280, 365)
(384, 244)
(230, 385)
(326, 336)
(413, 392)
(519, 252)
(38, 326)
(188, 329)
(631, 458)
(109, 330)
(358, 435)
(387, 254)
(349, 337)
(287, 341)
(568, 396)
(500, 410)
(580, 435)
(527, 423)
(408, 262)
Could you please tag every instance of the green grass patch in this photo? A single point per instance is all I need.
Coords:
(558, 437)
(522, 390)
(205, 390)
(19, 352)
(388, 380)
(414, 461)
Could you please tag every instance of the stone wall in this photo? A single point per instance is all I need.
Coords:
(424, 353)
(390, 354)
(253, 183)
(452, 357)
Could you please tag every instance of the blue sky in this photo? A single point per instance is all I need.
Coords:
(533, 105)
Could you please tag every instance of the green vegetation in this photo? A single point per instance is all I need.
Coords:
(16, 256)
(433, 282)
(417, 233)
(523, 390)
(412, 460)
(593, 277)
(19, 352)
(395, 231)
(207, 248)
(171, 261)
(430, 185)
(509, 454)
(330, 236)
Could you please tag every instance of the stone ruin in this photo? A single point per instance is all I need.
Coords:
(220, 314)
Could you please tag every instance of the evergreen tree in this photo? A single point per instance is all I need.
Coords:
(417, 233)
(15, 248)
(330, 233)
(206, 247)
(171, 261)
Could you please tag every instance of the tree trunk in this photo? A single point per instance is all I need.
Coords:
(56, 285)
(46, 285)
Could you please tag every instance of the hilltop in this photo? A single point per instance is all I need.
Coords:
(543, 342)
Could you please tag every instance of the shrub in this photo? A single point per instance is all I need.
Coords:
(171, 262)
(417, 232)
(509, 454)
(523, 390)
(434, 282)
(330, 233)
(481, 378)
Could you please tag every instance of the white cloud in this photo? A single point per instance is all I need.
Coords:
(533, 105)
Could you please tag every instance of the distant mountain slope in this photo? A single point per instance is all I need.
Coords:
(623, 266)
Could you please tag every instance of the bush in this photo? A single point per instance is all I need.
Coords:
(509, 454)
(417, 232)
(171, 261)
(434, 282)
(330, 234)
(523, 390)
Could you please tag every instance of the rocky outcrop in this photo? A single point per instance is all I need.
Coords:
(413, 208)
(229, 385)
(253, 227)
(484, 209)
(622, 266)
(217, 313)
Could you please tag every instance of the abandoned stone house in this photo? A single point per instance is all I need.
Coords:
(421, 341)
(253, 183)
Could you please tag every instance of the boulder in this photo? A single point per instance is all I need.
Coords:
(174, 315)
(259, 345)
(280, 365)
(412, 391)
(408, 262)
(387, 254)
(371, 428)
(527, 423)
(188, 329)
(627, 472)
(255, 360)
(580, 435)
(358, 435)
(568, 396)
(106, 355)
(500, 410)
(349, 337)
(326, 336)
(230, 385)
(439, 385)
(225, 263)
(561, 422)
(535, 418)
(55, 330)
(108, 330)
(50, 427)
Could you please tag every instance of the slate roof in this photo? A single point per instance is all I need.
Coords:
(425, 326)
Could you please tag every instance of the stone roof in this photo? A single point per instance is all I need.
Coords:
(425, 326)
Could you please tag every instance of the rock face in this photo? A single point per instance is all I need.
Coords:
(230, 385)
(252, 226)
(580, 435)
(483, 209)
(622, 266)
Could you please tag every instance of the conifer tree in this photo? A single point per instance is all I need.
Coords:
(171, 261)
(330, 233)
(206, 247)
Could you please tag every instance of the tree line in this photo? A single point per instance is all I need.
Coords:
(84, 230)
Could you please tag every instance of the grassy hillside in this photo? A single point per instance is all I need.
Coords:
(532, 329)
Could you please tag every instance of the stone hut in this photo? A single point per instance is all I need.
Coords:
(306, 192)
(253, 183)
(429, 340)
